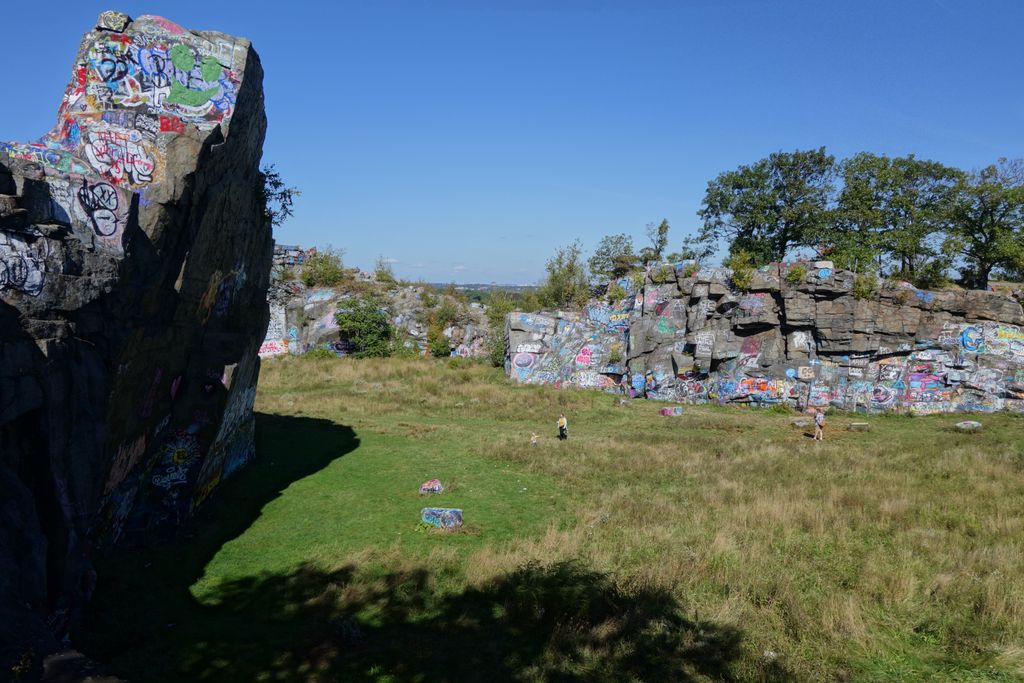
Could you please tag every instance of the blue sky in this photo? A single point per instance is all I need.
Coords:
(468, 140)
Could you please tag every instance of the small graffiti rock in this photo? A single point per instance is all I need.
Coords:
(968, 426)
(858, 427)
(432, 486)
(803, 422)
(442, 518)
(671, 412)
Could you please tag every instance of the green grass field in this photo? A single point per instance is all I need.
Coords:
(723, 544)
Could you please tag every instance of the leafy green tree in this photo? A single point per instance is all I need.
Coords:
(324, 268)
(566, 284)
(658, 235)
(891, 212)
(366, 324)
(771, 206)
(987, 230)
(613, 258)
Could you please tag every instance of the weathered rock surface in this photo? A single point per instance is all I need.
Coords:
(303, 319)
(695, 339)
(134, 262)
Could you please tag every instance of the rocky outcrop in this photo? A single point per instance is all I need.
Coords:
(303, 319)
(134, 262)
(692, 337)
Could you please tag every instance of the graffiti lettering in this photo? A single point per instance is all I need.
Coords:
(99, 202)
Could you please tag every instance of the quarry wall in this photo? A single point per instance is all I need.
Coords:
(689, 336)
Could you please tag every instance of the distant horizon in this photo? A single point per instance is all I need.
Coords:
(466, 143)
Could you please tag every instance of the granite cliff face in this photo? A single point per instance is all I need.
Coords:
(692, 337)
(134, 263)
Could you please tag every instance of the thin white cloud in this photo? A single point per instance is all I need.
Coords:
(459, 268)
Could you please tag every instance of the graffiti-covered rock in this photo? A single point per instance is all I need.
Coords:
(134, 263)
(808, 343)
(303, 319)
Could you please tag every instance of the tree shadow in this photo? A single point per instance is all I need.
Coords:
(558, 622)
(555, 622)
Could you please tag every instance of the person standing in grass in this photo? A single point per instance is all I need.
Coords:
(819, 425)
(563, 427)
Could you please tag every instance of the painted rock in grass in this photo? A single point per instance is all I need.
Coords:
(803, 422)
(442, 518)
(432, 486)
(668, 412)
(859, 427)
(968, 426)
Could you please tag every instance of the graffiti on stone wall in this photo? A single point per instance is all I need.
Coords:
(966, 367)
(133, 89)
(704, 343)
(22, 265)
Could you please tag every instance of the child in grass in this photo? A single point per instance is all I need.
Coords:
(819, 424)
(563, 427)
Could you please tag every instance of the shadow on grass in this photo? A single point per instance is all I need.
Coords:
(558, 622)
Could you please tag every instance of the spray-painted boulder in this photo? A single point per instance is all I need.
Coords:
(431, 487)
(442, 518)
(134, 262)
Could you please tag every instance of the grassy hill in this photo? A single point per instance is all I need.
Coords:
(720, 544)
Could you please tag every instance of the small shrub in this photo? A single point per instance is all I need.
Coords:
(428, 297)
(495, 345)
(796, 274)
(903, 297)
(663, 274)
(405, 347)
(384, 273)
(637, 278)
(437, 343)
(324, 268)
(865, 285)
(690, 269)
(499, 304)
(367, 326)
(615, 355)
(447, 313)
(616, 291)
(742, 265)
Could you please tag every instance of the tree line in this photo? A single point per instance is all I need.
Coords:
(896, 217)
